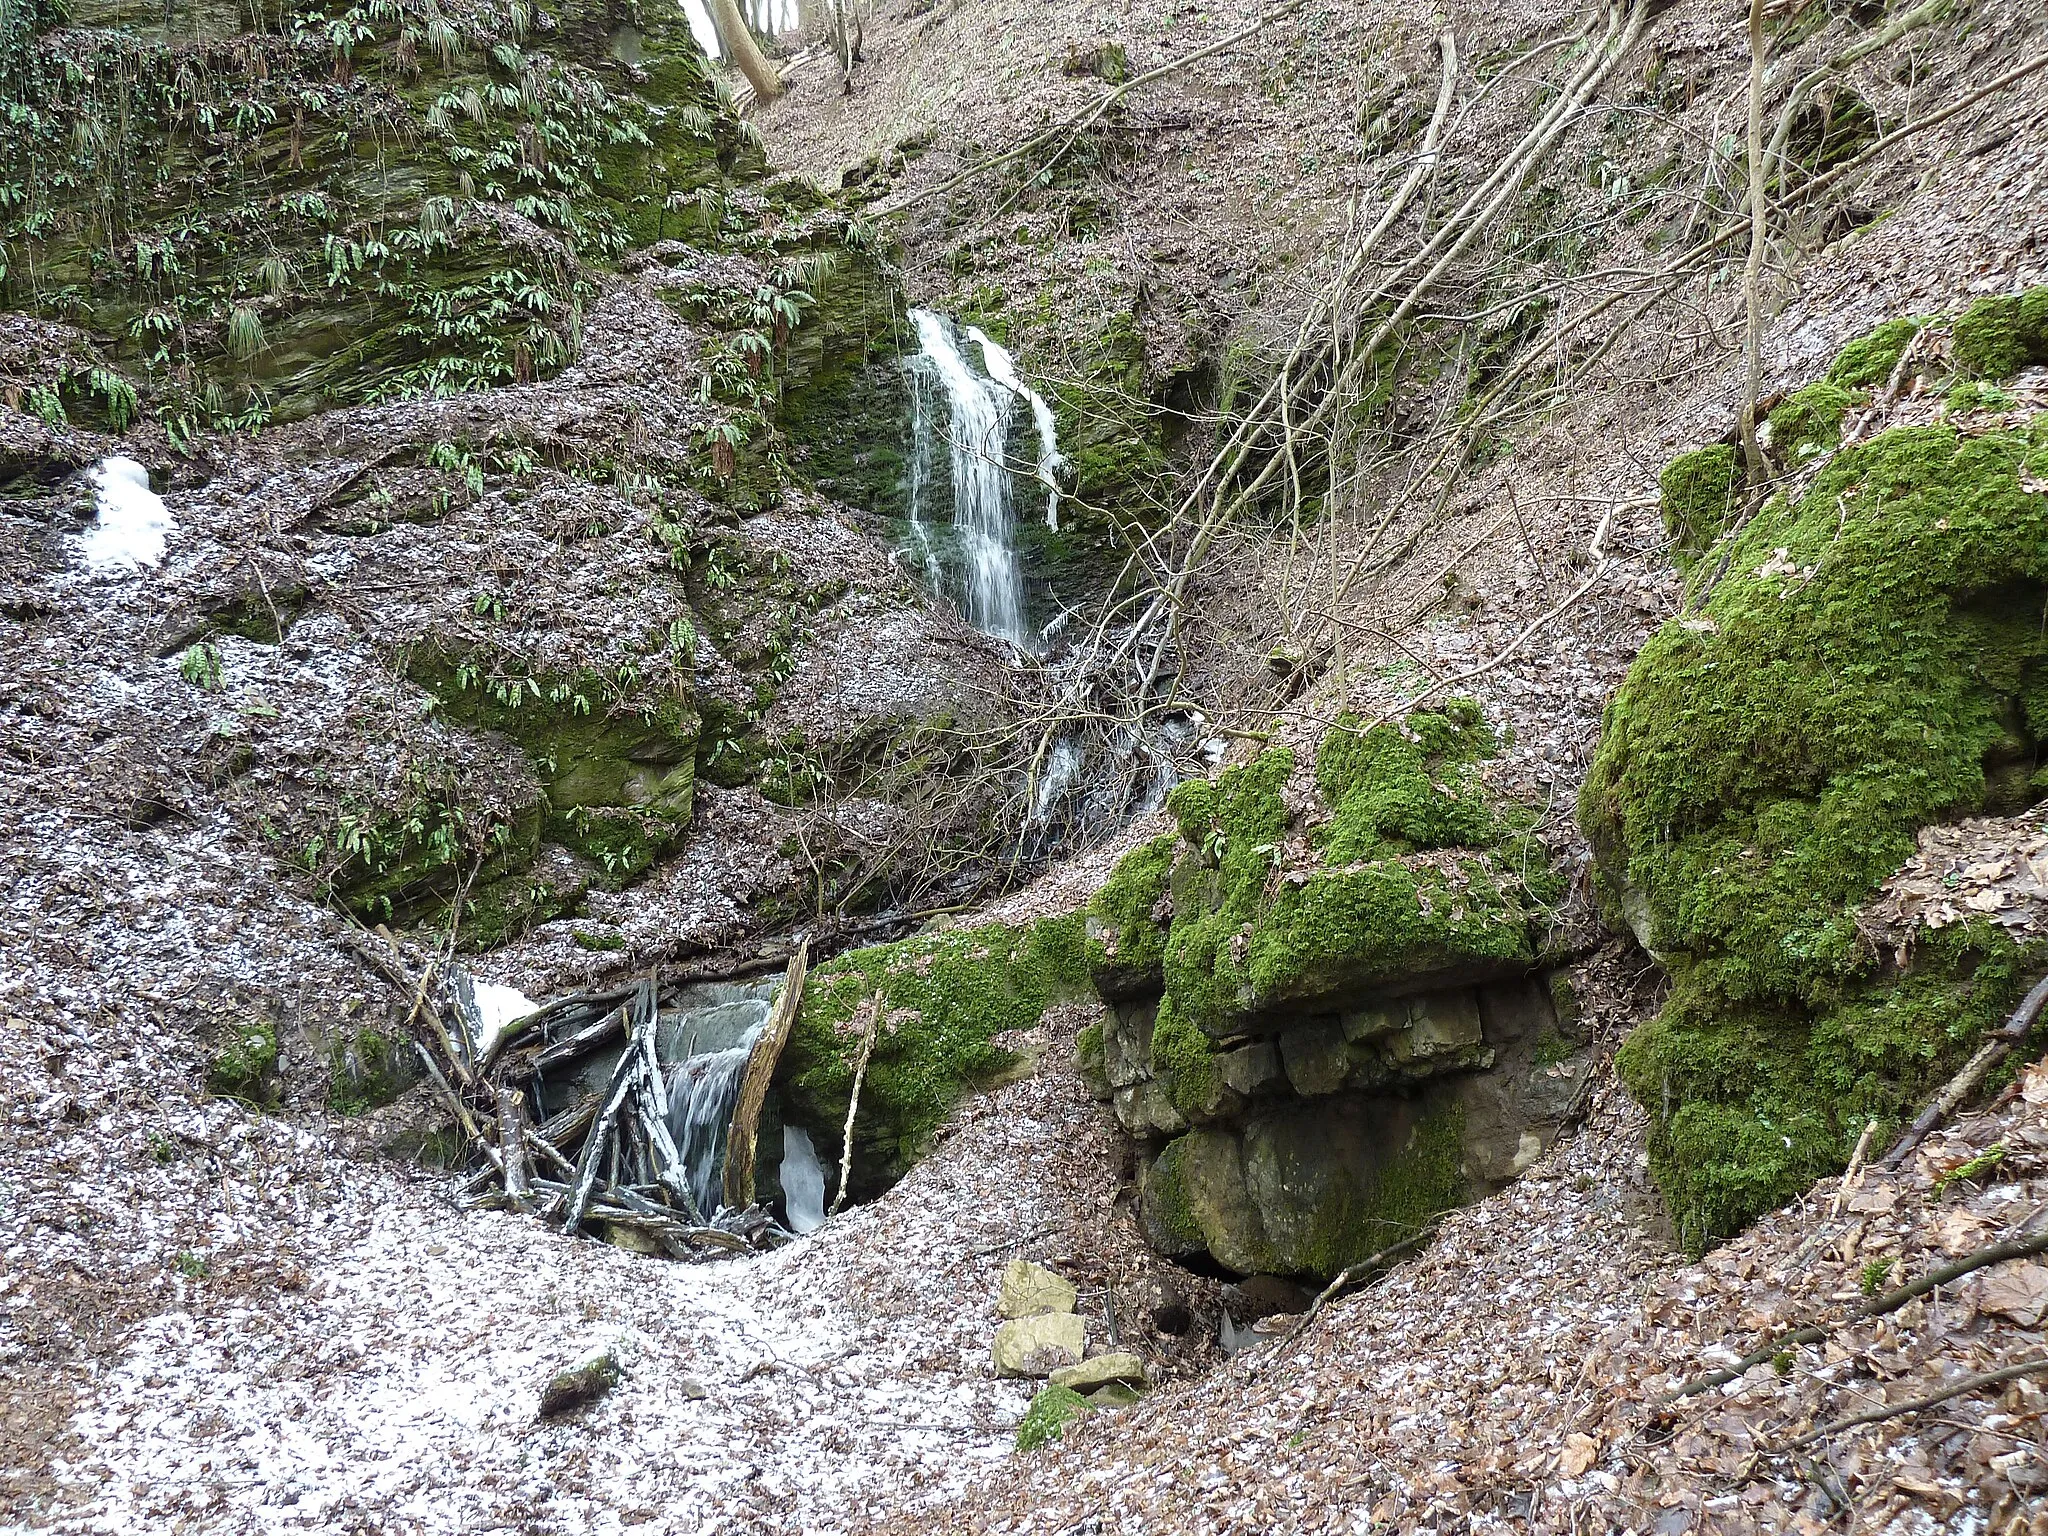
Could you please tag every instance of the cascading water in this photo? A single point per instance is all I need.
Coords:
(708, 1038)
(978, 430)
(972, 411)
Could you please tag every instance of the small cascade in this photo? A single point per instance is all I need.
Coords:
(707, 1036)
(978, 412)
(803, 1181)
(1051, 462)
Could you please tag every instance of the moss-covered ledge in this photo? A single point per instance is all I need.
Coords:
(1414, 871)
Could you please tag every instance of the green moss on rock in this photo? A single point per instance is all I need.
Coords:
(1698, 492)
(1051, 1411)
(944, 998)
(1996, 337)
(1810, 420)
(1126, 941)
(1871, 358)
(367, 1069)
(244, 1065)
(1866, 668)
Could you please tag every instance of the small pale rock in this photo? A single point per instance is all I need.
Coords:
(1038, 1346)
(1030, 1289)
(1100, 1372)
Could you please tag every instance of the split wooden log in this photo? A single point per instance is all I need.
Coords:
(1996, 1047)
(760, 1071)
(600, 1141)
(512, 1145)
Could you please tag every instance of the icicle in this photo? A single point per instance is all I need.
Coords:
(803, 1181)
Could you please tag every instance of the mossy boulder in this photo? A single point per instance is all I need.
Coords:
(367, 1069)
(1420, 875)
(244, 1064)
(1810, 420)
(1870, 360)
(940, 1000)
(1051, 1411)
(1127, 926)
(1874, 660)
(1996, 337)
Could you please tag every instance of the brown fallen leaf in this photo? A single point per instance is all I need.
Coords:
(1580, 1452)
(2020, 1293)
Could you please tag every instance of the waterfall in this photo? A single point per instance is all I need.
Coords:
(978, 428)
(803, 1181)
(701, 1093)
(1051, 462)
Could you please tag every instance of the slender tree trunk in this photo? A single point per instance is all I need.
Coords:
(741, 49)
(814, 19)
(1753, 270)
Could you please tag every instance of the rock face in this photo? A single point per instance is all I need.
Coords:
(1031, 1290)
(1321, 1042)
(1038, 1346)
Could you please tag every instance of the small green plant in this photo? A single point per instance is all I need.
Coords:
(192, 1266)
(162, 1150)
(1875, 1273)
(1983, 1163)
(200, 666)
(1781, 1362)
(1049, 1415)
(245, 333)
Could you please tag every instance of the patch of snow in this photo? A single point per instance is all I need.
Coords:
(498, 1005)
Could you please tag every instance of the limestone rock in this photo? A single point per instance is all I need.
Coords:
(1442, 1026)
(1116, 1395)
(1251, 1069)
(1127, 1043)
(1038, 1346)
(1030, 1290)
(1316, 1059)
(1100, 1371)
(1147, 1109)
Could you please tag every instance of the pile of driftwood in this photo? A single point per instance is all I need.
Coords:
(606, 1164)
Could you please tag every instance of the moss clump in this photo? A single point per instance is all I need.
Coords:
(1872, 660)
(1810, 421)
(1699, 490)
(244, 1066)
(1244, 940)
(1184, 1061)
(1126, 939)
(1871, 358)
(1048, 1416)
(944, 998)
(1400, 790)
(366, 1070)
(1996, 337)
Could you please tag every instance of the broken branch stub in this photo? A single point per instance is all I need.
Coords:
(760, 1070)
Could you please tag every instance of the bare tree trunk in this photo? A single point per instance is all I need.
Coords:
(1753, 270)
(814, 19)
(741, 49)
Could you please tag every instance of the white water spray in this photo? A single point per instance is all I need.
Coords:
(131, 522)
(978, 428)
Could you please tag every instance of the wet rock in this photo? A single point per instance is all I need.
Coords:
(1100, 1371)
(1030, 1290)
(580, 1385)
(1038, 1346)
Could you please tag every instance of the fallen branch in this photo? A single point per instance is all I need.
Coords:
(871, 1014)
(1877, 1306)
(1347, 1278)
(1996, 1047)
(1968, 1384)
